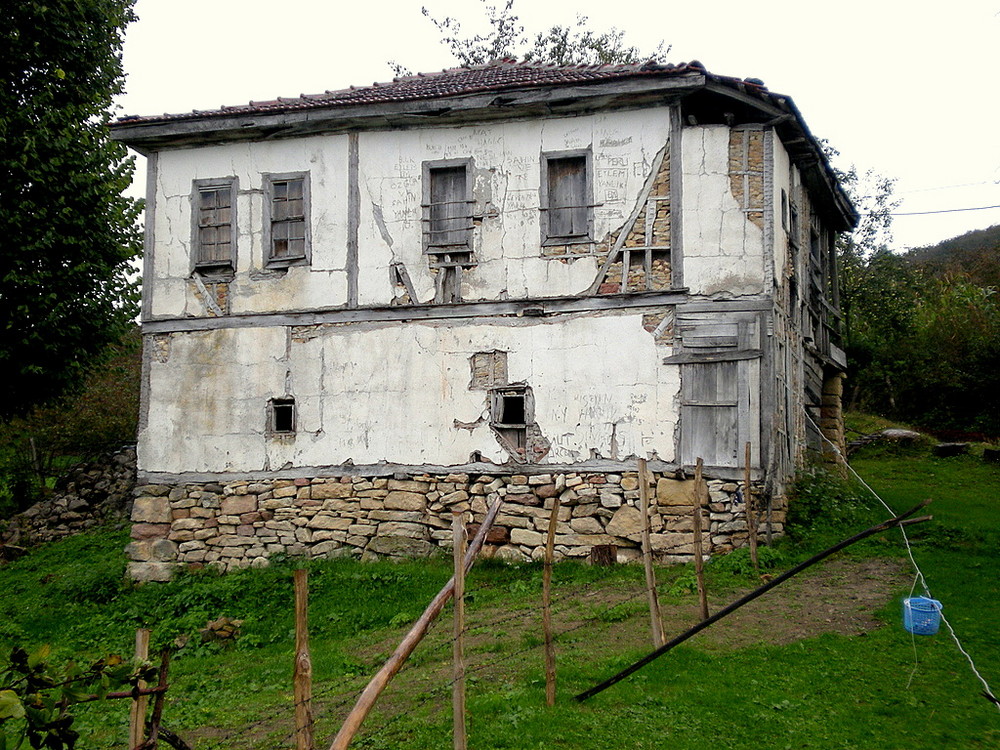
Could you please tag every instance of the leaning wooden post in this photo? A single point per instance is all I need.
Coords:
(656, 619)
(751, 511)
(550, 651)
(302, 675)
(395, 662)
(458, 647)
(154, 721)
(137, 714)
(699, 563)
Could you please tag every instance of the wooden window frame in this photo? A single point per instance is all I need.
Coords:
(548, 238)
(438, 249)
(215, 265)
(272, 420)
(284, 261)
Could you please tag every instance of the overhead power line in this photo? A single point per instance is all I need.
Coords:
(943, 211)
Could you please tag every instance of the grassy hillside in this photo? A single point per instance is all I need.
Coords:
(975, 253)
(820, 663)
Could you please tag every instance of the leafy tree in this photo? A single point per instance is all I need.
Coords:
(35, 696)
(560, 45)
(67, 235)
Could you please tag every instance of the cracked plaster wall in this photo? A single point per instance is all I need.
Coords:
(322, 283)
(208, 399)
(723, 250)
(506, 240)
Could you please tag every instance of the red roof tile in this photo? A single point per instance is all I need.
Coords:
(496, 76)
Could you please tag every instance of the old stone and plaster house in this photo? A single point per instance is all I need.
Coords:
(366, 309)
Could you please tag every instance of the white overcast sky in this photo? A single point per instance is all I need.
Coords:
(903, 87)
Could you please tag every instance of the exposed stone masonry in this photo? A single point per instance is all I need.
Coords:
(240, 524)
(90, 494)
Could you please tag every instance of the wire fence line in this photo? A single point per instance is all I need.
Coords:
(918, 573)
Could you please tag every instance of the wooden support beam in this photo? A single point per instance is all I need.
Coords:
(900, 520)
(550, 651)
(137, 713)
(366, 701)
(699, 562)
(458, 645)
(302, 676)
(655, 616)
(751, 511)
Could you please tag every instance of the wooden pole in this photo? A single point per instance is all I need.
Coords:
(900, 520)
(302, 674)
(137, 713)
(750, 510)
(458, 647)
(154, 722)
(550, 650)
(699, 562)
(656, 618)
(395, 662)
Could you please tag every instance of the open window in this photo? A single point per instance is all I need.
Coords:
(213, 209)
(286, 219)
(565, 201)
(281, 416)
(511, 411)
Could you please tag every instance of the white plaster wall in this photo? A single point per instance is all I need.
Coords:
(320, 284)
(507, 168)
(723, 250)
(507, 240)
(374, 393)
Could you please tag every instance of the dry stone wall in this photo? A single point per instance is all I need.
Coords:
(241, 524)
(88, 495)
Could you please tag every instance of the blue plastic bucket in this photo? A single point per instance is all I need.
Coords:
(921, 616)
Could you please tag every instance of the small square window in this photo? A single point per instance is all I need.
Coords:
(281, 416)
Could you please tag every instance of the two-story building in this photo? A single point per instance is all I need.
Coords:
(366, 309)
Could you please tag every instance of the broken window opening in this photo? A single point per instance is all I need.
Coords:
(281, 416)
(511, 411)
(214, 224)
(566, 208)
(287, 221)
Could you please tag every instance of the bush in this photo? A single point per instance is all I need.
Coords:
(821, 500)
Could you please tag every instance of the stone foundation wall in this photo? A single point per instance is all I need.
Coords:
(241, 524)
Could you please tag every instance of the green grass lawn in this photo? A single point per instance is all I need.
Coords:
(745, 686)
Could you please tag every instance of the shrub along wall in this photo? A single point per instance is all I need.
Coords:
(240, 524)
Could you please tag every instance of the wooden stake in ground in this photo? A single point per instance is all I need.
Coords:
(900, 520)
(550, 650)
(656, 618)
(395, 662)
(699, 563)
(154, 721)
(458, 646)
(302, 676)
(751, 511)
(137, 714)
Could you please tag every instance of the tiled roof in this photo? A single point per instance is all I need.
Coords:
(499, 75)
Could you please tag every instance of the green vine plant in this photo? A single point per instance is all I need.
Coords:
(36, 696)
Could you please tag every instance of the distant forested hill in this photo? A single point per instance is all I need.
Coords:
(975, 254)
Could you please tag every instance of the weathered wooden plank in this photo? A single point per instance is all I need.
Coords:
(451, 311)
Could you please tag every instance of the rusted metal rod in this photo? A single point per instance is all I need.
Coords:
(378, 683)
(900, 520)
